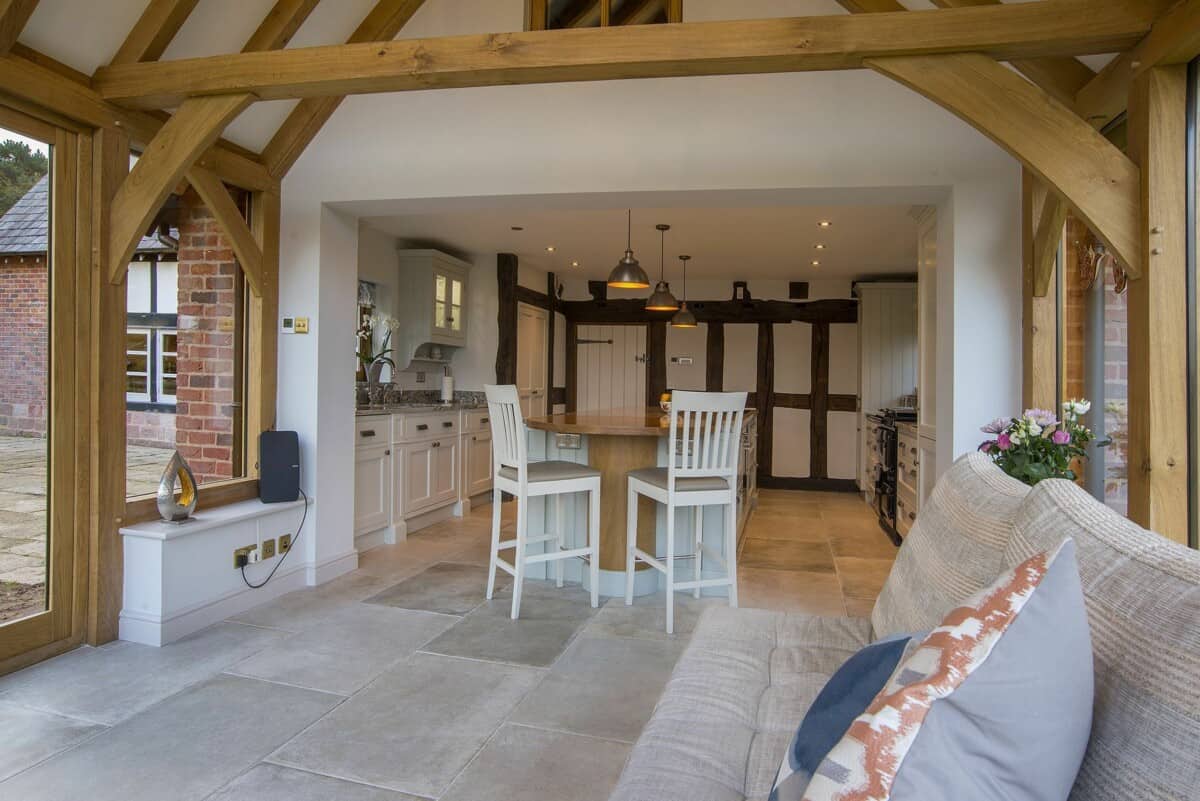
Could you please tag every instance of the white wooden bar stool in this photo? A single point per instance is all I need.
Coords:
(515, 474)
(705, 441)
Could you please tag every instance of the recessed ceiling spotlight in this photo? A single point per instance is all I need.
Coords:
(824, 224)
(550, 248)
(816, 263)
(518, 228)
(574, 264)
(818, 246)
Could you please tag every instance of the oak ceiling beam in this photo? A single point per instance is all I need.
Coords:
(13, 16)
(280, 25)
(1004, 32)
(154, 30)
(1061, 76)
(1174, 39)
(218, 200)
(1073, 158)
(383, 22)
(186, 135)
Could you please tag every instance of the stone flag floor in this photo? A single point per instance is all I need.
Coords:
(23, 466)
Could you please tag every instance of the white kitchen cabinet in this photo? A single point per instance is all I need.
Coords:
(417, 483)
(432, 307)
(372, 487)
(477, 463)
(444, 470)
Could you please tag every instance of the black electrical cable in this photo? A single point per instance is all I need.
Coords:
(278, 564)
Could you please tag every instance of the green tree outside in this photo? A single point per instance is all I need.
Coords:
(20, 168)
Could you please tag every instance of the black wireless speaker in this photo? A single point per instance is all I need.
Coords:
(278, 466)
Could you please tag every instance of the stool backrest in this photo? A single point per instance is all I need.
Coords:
(706, 434)
(509, 439)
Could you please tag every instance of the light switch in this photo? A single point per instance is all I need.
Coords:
(301, 325)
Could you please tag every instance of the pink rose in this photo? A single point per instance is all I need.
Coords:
(987, 446)
(1004, 442)
(1060, 437)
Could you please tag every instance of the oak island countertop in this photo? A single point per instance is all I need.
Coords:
(647, 422)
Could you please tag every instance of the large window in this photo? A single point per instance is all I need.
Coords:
(151, 340)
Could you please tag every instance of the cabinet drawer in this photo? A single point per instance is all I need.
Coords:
(906, 511)
(411, 428)
(373, 430)
(476, 421)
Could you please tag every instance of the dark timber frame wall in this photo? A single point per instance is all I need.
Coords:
(715, 313)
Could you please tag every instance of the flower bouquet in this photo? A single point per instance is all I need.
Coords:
(1038, 445)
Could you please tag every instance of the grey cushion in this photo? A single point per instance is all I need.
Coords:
(551, 471)
(657, 476)
(733, 702)
(955, 548)
(1143, 599)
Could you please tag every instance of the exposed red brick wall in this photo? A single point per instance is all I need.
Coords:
(205, 392)
(24, 345)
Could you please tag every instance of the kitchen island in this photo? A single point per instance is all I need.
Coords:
(616, 441)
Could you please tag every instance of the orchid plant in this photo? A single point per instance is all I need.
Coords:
(1037, 445)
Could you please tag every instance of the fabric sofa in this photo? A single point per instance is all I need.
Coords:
(745, 681)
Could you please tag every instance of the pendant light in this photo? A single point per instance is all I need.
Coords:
(628, 274)
(684, 317)
(662, 299)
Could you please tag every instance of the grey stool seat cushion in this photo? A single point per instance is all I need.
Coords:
(733, 703)
(657, 477)
(551, 471)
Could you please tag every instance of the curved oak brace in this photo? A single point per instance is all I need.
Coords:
(193, 129)
(1077, 162)
(1046, 240)
(220, 203)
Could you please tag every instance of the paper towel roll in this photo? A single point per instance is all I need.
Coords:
(447, 388)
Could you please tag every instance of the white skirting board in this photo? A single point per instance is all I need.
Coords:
(180, 578)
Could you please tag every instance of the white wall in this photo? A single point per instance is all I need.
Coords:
(841, 137)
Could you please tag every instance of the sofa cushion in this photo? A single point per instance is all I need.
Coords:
(955, 547)
(731, 707)
(1143, 600)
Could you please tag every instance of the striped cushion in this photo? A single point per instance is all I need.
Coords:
(1143, 600)
(955, 548)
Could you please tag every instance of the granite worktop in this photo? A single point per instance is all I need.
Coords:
(416, 408)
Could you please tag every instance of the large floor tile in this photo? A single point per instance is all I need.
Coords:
(523, 764)
(415, 727)
(790, 591)
(31, 736)
(112, 682)
(786, 555)
(298, 610)
(863, 578)
(647, 617)
(275, 783)
(409, 557)
(182, 749)
(550, 619)
(602, 686)
(347, 649)
(447, 587)
(791, 525)
(858, 538)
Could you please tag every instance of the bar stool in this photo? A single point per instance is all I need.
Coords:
(704, 444)
(515, 474)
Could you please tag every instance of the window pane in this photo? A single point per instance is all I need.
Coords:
(439, 287)
(135, 384)
(24, 371)
(196, 360)
(456, 293)
(439, 315)
(456, 318)
(137, 341)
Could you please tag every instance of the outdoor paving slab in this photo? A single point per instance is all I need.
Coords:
(602, 686)
(276, 783)
(347, 649)
(31, 736)
(182, 749)
(415, 727)
(524, 764)
(115, 681)
(550, 619)
(447, 587)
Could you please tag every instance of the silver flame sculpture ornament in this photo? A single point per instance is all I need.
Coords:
(171, 509)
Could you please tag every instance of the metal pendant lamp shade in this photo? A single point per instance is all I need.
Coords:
(662, 299)
(684, 317)
(628, 274)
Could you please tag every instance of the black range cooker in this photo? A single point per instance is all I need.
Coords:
(885, 468)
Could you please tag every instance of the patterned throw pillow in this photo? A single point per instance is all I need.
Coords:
(994, 705)
(845, 696)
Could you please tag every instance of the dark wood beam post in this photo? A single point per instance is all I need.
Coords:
(714, 360)
(572, 368)
(764, 396)
(506, 318)
(818, 418)
(656, 353)
(551, 294)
